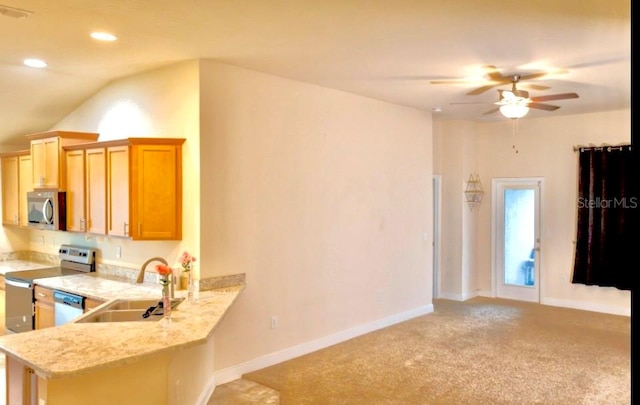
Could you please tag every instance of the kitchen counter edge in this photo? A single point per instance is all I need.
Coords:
(68, 350)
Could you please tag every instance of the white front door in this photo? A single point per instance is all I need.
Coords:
(516, 237)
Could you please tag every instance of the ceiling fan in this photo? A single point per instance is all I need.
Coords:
(515, 103)
(496, 79)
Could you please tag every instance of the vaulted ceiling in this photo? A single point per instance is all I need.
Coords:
(385, 49)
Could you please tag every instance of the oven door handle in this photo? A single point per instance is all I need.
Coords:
(19, 284)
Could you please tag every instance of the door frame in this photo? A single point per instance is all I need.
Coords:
(495, 224)
(437, 213)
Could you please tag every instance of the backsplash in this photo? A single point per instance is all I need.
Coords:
(27, 255)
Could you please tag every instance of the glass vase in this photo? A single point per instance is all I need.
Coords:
(193, 287)
(166, 301)
(185, 280)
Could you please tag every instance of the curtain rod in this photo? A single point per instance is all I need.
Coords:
(601, 147)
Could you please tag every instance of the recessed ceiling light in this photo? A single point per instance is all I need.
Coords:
(436, 109)
(36, 63)
(103, 36)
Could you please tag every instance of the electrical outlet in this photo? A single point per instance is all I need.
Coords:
(274, 322)
(41, 237)
(118, 252)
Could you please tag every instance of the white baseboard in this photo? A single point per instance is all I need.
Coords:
(235, 372)
(451, 296)
(586, 306)
(485, 293)
(465, 296)
(208, 391)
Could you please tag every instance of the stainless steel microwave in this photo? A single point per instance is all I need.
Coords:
(47, 209)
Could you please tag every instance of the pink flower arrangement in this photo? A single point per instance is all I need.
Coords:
(186, 259)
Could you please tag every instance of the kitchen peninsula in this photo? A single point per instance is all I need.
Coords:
(169, 361)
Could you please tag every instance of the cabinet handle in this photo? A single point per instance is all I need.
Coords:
(83, 224)
(139, 228)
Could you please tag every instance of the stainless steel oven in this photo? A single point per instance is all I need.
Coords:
(19, 289)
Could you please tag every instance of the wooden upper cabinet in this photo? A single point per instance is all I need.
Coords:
(49, 168)
(25, 185)
(86, 189)
(96, 177)
(76, 191)
(16, 182)
(140, 189)
(156, 190)
(10, 181)
(118, 221)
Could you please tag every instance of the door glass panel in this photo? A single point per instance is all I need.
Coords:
(519, 237)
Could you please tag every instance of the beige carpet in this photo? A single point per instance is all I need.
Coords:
(482, 351)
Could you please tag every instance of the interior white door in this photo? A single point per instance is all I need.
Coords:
(516, 256)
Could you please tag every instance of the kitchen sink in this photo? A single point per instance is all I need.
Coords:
(133, 304)
(122, 315)
(145, 310)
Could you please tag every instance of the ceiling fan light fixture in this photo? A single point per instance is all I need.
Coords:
(514, 111)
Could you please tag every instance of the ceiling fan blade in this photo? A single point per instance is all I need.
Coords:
(494, 74)
(470, 102)
(546, 107)
(453, 81)
(534, 86)
(542, 74)
(482, 89)
(492, 111)
(552, 97)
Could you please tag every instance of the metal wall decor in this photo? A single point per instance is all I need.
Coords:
(473, 193)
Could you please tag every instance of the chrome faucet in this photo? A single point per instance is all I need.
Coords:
(144, 266)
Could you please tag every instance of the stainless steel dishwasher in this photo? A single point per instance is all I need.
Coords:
(66, 307)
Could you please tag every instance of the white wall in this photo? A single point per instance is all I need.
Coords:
(456, 160)
(545, 149)
(321, 197)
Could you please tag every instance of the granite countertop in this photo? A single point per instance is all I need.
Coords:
(17, 265)
(73, 348)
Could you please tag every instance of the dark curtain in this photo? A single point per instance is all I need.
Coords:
(607, 253)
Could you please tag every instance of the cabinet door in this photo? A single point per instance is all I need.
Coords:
(25, 185)
(76, 218)
(45, 315)
(156, 187)
(95, 170)
(10, 191)
(118, 191)
(45, 154)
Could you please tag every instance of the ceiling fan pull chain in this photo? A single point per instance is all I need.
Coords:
(514, 132)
